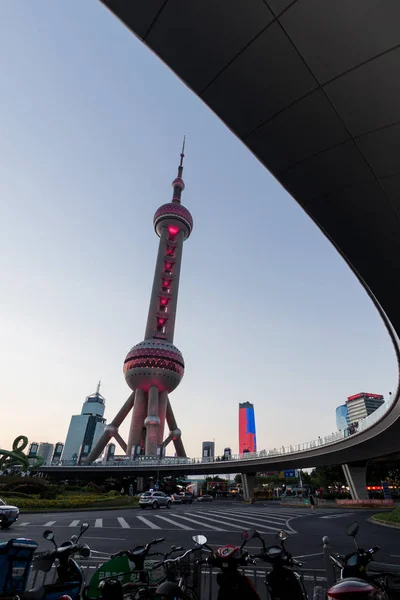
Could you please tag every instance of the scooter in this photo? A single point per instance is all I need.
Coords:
(356, 580)
(70, 578)
(283, 583)
(233, 585)
(127, 571)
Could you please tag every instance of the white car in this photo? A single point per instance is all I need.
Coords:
(8, 514)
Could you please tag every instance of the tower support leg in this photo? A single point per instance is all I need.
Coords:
(137, 422)
(111, 429)
(162, 410)
(152, 423)
(179, 447)
(248, 483)
(356, 477)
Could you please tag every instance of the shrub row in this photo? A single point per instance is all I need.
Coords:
(81, 501)
(392, 517)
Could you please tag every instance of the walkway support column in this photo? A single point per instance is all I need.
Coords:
(248, 483)
(356, 477)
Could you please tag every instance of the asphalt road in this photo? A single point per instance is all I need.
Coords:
(222, 522)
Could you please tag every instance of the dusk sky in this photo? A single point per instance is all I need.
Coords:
(91, 128)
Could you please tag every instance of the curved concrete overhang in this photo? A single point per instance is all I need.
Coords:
(312, 87)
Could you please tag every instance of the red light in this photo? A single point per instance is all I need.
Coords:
(161, 321)
(173, 230)
(164, 301)
(166, 284)
(168, 266)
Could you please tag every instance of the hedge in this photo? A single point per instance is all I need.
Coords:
(81, 501)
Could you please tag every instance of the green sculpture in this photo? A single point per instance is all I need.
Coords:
(16, 456)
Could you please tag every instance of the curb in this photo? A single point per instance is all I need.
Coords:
(383, 523)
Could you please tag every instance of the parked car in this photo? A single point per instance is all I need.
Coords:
(176, 499)
(154, 500)
(205, 498)
(187, 498)
(8, 514)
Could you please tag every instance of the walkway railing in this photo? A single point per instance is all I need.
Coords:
(283, 451)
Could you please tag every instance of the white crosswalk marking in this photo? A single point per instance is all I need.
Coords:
(123, 523)
(174, 523)
(148, 523)
(203, 516)
(74, 523)
(23, 524)
(49, 524)
(98, 523)
(257, 516)
(202, 523)
(244, 520)
(337, 516)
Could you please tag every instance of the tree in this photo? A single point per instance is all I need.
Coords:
(238, 478)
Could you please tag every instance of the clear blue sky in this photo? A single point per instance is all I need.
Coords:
(91, 127)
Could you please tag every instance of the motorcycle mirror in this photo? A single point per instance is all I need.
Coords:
(84, 527)
(249, 534)
(199, 539)
(74, 539)
(282, 535)
(84, 552)
(353, 528)
(48, 535)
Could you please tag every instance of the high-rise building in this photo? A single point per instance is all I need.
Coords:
(342, 417)
(363, 404)
(208, 450)
(247, 428)
(155, 367)
(46, 452)
(58, 450)
(85, 429)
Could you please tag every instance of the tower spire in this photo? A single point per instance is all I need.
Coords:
(98, 387)
(178, 184)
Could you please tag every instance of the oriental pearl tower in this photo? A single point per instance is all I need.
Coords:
(154, 368)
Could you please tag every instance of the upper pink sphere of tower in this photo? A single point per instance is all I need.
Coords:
(154, 363)
(173, 214)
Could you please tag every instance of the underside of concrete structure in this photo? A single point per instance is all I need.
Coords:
(312, 88)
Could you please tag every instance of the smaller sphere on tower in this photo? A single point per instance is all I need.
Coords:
(175, 215)
(154, 363)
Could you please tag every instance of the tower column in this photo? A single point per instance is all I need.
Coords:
(173, 303)
(162, 411)
(175, 432)
(356, 477)
(155, 292)
(137, 421)
(152, 423)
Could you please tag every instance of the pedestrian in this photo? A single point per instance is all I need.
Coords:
(312, 502)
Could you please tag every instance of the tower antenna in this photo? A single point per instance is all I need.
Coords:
(98, 387)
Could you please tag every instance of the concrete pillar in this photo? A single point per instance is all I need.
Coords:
(356, 477)
(152, 423)
(179, 447)
(172, 304)
(162, 411)
(248, 483)
(111, 429)
(155, 292)
(139, 414)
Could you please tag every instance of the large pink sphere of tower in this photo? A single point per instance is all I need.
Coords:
(174, 215)
(154, 363)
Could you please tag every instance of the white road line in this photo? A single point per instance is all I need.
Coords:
(98, 523)
(277, 520)
(337, 516)
(123, 523)
(74, 523)
(49, 524)
(23, 524)
(148, 523)
(174, 523)
(242, 520)
(222, 522)
(202, 523)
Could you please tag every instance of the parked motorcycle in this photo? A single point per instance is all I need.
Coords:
(283, 583)
(356, 581)
(132, 569)
(232, 584)
(70, 578)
